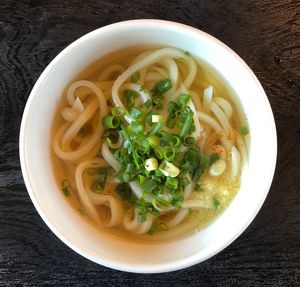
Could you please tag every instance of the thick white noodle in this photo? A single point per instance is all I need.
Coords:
(189, 189)
(171, 66)
(190, 203)
(207, 99)
(161, 71)
(78, 106)
(217, 128)
(129, 222)
(82, 193)
(112, 202)
(219, 114)
(225, 106)
(146, 225)
(178, 218)
(110, 70)
(235, 162)
(241, 147)
(108, 156)
(67, 129)
(152, 77)
(199, 130)
(196, 100)
(69, 114)
(75, 126)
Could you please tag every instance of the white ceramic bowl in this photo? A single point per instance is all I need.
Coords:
(131, 256)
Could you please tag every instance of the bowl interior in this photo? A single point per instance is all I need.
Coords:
(68, 224)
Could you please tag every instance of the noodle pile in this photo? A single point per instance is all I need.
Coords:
(81, 143)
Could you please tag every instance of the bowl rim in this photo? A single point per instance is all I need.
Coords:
(151, 268)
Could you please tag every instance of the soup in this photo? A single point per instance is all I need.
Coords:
(149, 143)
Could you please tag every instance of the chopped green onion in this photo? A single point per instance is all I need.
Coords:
(169, 153)
(154, 211)
(189, 141)
(148, 104)
(149, 185)
(159, 199)
(161, 87)
(124, 191)
(175, 141)
(186, 53)
(129, 97)
(141, 217)
(130, 168)
(66, 191)
(153, 141)
(183, 99)
(153, 228)
(213, 158)
(244, 131)
(65, 185)
(172, 107)
(157, 103)
(171, 122)
(186, 181)
(142, 179)
(172, 183)
(197, 187)
(101, 180)
(81, 210)
(111, 122)
(216, 203)
(157, 128)
(135, 77)
(118, 111)
(159, 153)
(136, 113)
(188, 121)
(142, 89)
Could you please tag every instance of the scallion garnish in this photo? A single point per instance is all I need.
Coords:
(153, 228)
(244, 131)
(189, 141)
(216, 203)
(129, 98)
(118, 111)
(147, 150)
(161, 87)
(65, 185)
(135, 77)
(66, 191)
(172, 183)
(111, 122)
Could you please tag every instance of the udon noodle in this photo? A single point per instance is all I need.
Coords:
(150, 144)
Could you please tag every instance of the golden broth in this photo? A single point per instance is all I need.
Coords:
(210, 187)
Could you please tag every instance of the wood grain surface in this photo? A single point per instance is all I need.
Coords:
(266, 34)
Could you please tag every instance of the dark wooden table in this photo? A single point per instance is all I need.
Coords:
(266, 34)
